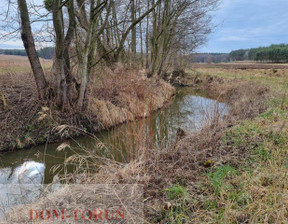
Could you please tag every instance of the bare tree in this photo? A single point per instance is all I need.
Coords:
(61, 63)
(180, 25)
(105, 30)
(28, 41)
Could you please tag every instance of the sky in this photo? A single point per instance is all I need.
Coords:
(239, 24)
(244, 24)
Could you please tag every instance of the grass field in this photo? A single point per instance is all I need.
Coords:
(274, 75)
(13, 63)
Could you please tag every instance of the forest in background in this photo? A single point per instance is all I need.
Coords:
(274, 53)
(46, 53)
(208, 57)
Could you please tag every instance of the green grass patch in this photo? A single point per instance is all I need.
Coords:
(179, 208)
(219, 175)
(240, 134)
(176, 192)
(262, 153)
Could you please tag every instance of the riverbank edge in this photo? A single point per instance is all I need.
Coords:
(101, 114)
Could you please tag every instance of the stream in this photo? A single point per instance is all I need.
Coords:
(189, 110)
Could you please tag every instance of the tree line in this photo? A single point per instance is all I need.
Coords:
(151, 34)
(209, 57)
(46, 53)
(273, 53)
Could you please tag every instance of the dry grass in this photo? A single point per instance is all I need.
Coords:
(241, 65)
(116, 98)
(124, 96)
(20, 99)
(176, 187)
(276, 77)
(250, 185)
(226, 173)
(19, 64)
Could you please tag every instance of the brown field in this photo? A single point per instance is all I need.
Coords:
(241, 65)
(275, 75)
(14, 63)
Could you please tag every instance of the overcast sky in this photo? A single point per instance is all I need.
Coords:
(248, 23)
(240, 24)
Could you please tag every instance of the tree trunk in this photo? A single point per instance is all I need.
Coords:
(59, 61)
(147, 38)
(133, 33)
(141, 40)
(154, 40)
(67, 42)
(29, 44)
(84, 63)
(120, 48)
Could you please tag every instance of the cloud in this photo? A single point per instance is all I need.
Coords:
(233, 38)
(15, 44)
(248, 23)
(243, 34)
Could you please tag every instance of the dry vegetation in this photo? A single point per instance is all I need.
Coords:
(251, 186)
(120, 96)
(242, 65)
(123, 96)
(232, 171)
(271, 75)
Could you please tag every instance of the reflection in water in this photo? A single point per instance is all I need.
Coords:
(29, 172)
(21, 185)
(189, 111)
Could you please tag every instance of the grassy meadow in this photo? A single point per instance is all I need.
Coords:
(274, 75)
